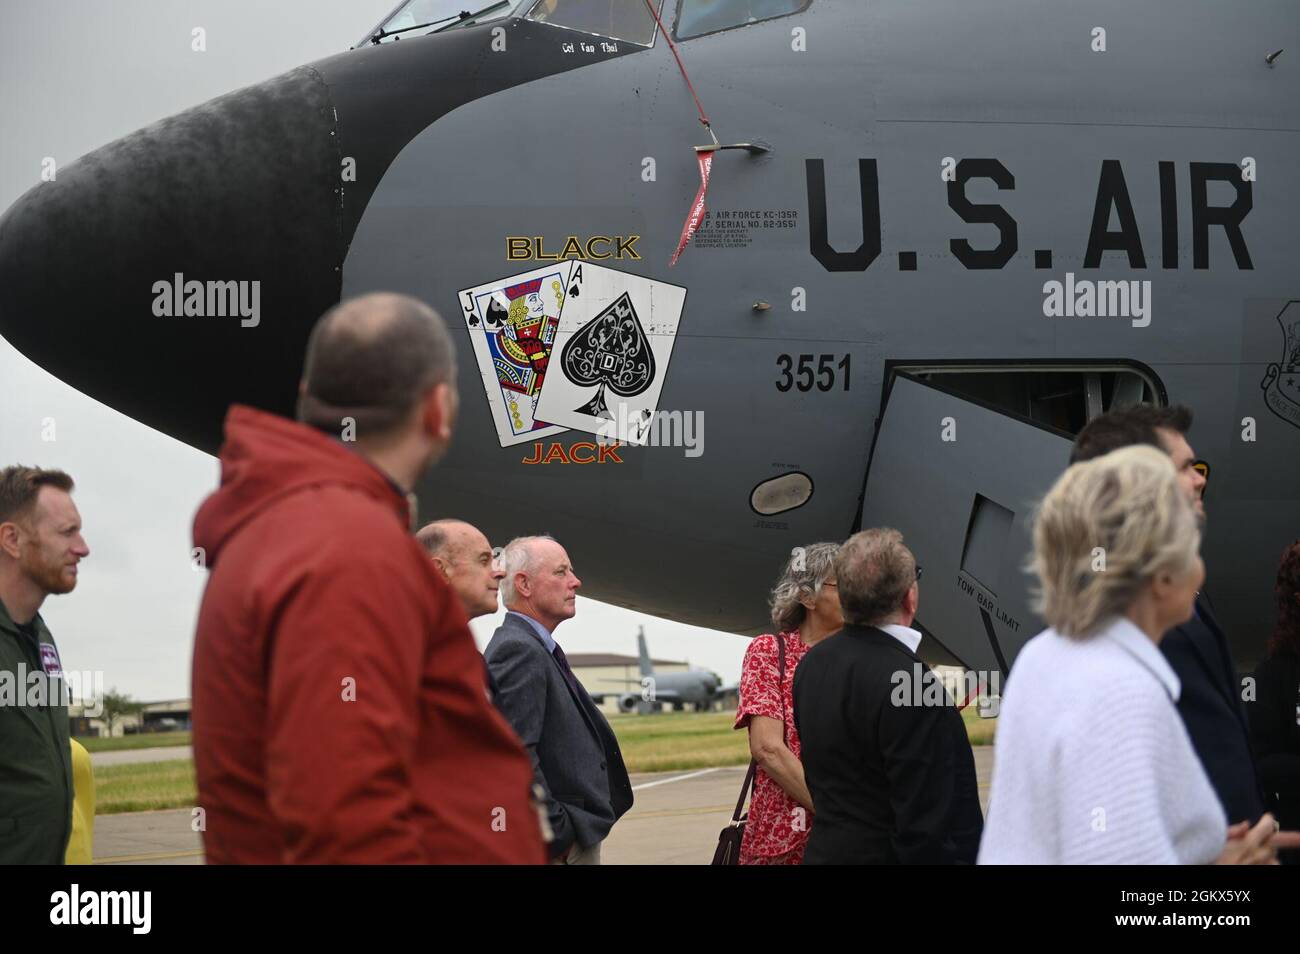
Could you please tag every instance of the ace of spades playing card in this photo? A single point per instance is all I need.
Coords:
(512, 324)
(611, 353)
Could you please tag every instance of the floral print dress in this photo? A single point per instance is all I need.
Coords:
(777, 829)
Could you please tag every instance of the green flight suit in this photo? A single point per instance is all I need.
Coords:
(35, 756)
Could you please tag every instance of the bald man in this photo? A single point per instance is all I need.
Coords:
(465, 559)
(339, 705)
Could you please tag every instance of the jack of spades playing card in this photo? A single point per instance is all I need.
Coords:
(512, 324)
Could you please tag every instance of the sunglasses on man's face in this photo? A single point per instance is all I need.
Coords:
(1202, 467)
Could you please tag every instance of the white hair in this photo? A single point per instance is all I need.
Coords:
(517, 557)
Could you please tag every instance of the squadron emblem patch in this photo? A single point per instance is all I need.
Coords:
(1281, 382)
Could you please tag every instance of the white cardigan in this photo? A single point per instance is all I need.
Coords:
(1092, 764)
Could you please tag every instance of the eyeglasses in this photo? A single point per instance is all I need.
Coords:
(833, 583)
(1202, 467)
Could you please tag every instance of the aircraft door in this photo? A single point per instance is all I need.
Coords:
(960, 480)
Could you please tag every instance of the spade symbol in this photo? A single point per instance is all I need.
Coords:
(496, 314)
(611, 351)
(573, 291)
(473, 321)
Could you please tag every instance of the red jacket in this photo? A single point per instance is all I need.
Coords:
(340, 708)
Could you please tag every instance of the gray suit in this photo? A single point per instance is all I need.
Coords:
(574, 752)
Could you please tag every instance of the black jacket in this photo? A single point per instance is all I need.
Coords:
(1211, 707)
(892, 778)
(1275, 730)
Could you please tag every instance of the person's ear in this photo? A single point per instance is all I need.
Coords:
(807, 598)
(523, 586)
(1161, 584)
(439, 412)
(441, 564)
(9, 538)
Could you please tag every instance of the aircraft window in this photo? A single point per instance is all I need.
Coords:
(698, 17)
(628, 20)
(421, 17)
(779, 494)
(1063, 397)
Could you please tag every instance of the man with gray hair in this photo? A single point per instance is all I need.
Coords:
(575, 756)
(885, 753)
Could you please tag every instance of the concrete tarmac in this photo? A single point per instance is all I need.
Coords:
(164, 753)
(674, 821)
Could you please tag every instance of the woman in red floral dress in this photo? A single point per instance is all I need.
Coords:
(805, 610)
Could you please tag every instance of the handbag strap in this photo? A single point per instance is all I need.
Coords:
(780, 688)
(744, 792)
(753, 764)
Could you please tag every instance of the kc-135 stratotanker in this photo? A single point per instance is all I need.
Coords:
(927, 243)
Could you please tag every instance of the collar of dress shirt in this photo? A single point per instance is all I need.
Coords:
(1139, 645)
(904, 634)
(547, 639)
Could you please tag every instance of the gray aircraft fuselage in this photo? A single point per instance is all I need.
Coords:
(930, 169)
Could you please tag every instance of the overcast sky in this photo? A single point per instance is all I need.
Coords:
(74, 76)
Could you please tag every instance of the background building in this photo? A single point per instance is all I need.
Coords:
(167, 716)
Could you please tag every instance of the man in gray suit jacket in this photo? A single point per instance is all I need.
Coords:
(575, 755)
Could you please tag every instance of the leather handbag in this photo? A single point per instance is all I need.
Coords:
(728, 850)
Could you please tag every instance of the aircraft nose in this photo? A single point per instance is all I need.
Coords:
(96, 264)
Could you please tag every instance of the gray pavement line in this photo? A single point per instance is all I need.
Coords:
(667, 781)
(149, 856)
(188, 809)
(674, 812)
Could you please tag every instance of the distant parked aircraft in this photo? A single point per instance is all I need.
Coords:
(697, 687)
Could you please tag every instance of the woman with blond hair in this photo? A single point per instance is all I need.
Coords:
(805, 610)
(1092, 763)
